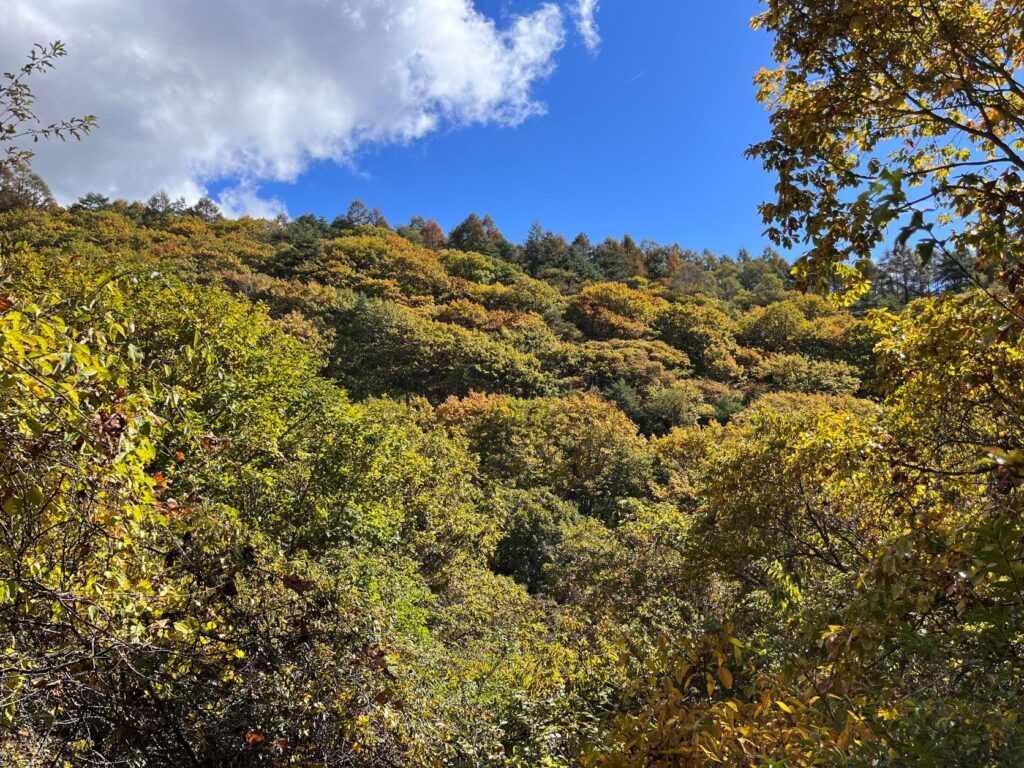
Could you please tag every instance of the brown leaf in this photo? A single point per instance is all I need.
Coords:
(298, 584)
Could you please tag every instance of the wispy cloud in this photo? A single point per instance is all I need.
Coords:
(636, 77)
(586, 23)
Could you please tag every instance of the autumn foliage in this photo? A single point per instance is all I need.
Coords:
(331, 494)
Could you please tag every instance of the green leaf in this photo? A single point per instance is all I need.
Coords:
(183, 627)
(925, 251)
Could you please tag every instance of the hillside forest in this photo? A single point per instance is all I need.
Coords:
(341, 493)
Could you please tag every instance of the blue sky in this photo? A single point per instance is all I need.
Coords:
(646, 136)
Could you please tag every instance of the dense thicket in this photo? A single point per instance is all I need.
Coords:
(484, 551)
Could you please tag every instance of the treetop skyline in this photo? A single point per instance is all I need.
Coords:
(632, 118)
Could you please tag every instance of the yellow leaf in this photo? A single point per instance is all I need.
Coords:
(725, 676)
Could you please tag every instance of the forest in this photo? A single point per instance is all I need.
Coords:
(341, 493)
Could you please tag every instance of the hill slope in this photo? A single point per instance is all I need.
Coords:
(276, 494)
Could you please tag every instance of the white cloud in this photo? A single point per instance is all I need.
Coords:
(586, 23)
(244, 199)
(192, 91)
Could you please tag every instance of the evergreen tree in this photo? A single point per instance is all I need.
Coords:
(544, 250)
(92, 201)
(358, 215)
(470, 235)
(903, 276)
(206, 209)
(610, 258)
(21, 188)
(634, 257)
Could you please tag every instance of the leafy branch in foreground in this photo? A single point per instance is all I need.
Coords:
(19, 122)
(887, 113)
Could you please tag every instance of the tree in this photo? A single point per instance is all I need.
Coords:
(422, 232)
(659, 260)
(581, 447)
(18, 120)
(299, 242)
(160, 206)
(491, 229)
(679, 405)
(535, 522)
(212, 556)
(469, 235)
(634, 256)
(888, 112)
(797, 373)
(779, 327)
(705, 334)
(954, 272)
(412, 231)
(688, 274)
(543, 250)
(580, 258)
(21, 188)
(765, 278)
(206, 209)
(92, 201)
(902, 276)
(613, 310)
(377, 219)
(481, 236)
(610, 259)
(433, 236)
(357, 215)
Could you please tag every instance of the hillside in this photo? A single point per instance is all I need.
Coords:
(297, 493)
